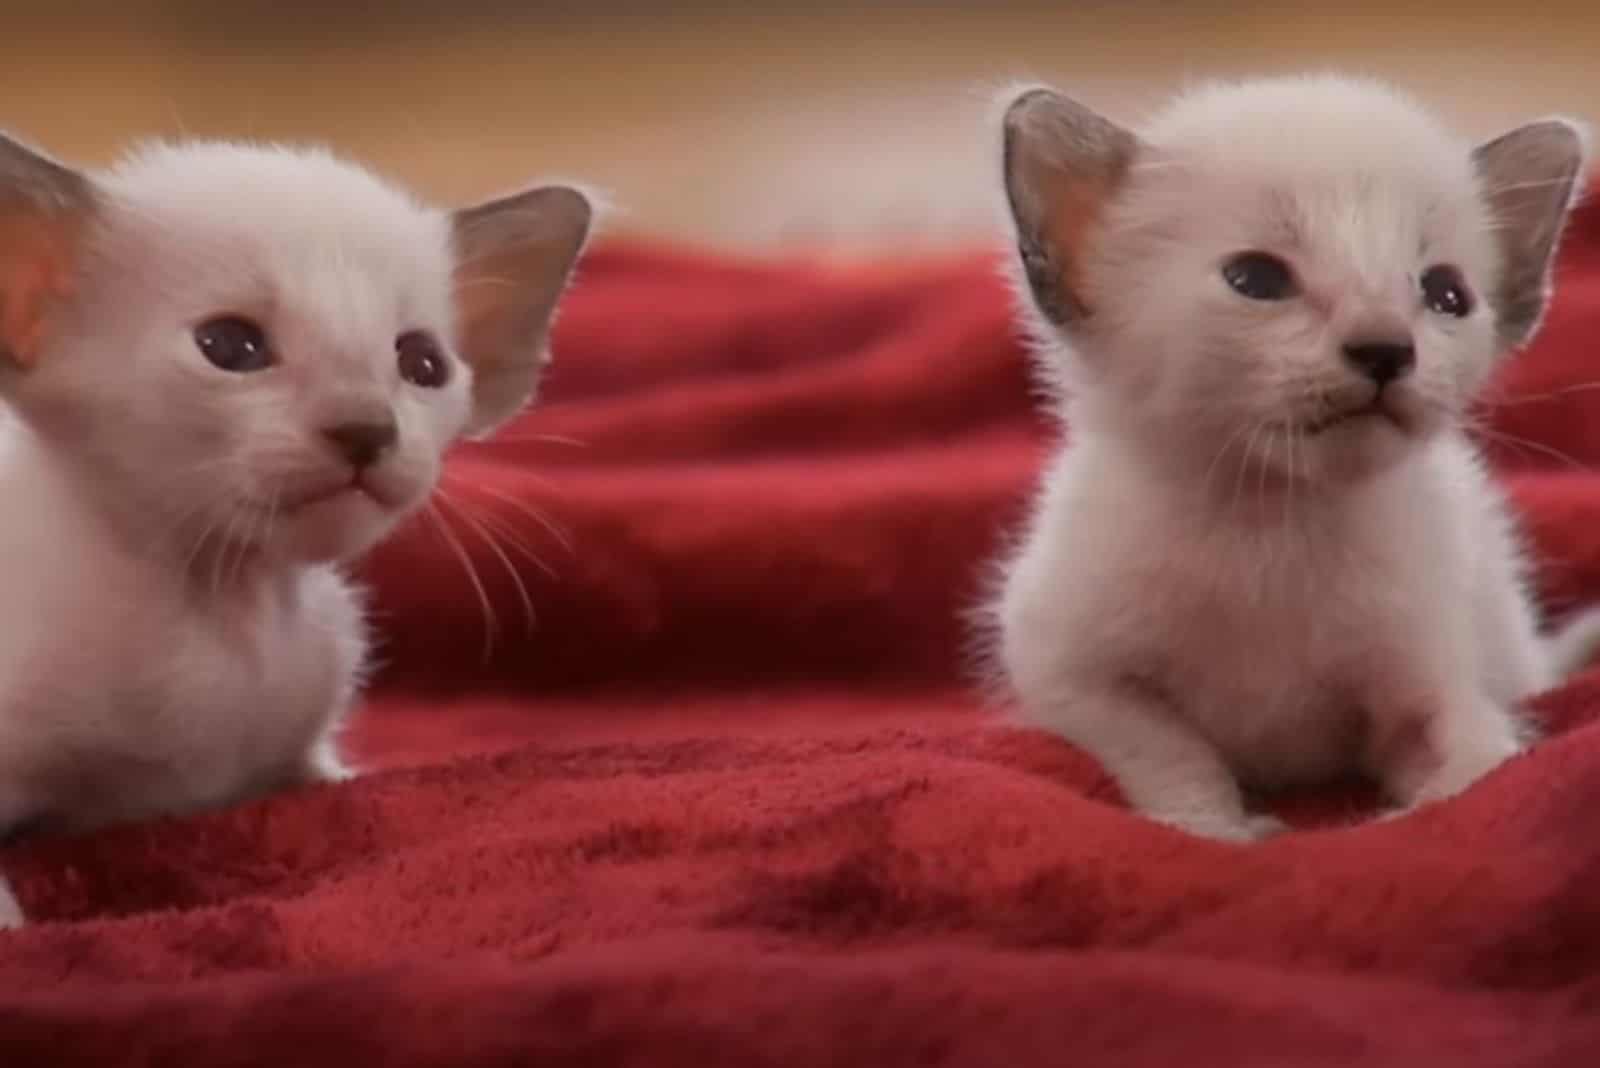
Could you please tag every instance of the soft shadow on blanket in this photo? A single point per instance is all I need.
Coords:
(694, 775)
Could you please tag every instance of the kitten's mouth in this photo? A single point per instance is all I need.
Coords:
(310, 498)
(1337, 419)
(356, 486)
(1375, 409)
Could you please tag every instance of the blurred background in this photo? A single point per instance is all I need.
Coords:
(748, 125)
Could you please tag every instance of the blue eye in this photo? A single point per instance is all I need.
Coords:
(1445, 292)
(232, 343)
(1259, 276)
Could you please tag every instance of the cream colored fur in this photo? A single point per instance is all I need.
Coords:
(176, 630)
(1211, 594)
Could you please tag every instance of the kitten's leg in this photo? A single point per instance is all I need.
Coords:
(10, 912)
(334, 602)
(14, 817)
(323, 763)
(1163, 767)
(1434, 750)
(1442, 697)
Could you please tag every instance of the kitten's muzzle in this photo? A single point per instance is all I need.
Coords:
(362, 444)
(1386, 405)
(1381, 360)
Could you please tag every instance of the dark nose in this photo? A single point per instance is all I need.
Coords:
(1381, 361)
(362, 443)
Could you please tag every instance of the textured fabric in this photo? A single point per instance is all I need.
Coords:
(718, 790)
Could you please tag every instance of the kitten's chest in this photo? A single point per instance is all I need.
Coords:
(1266, 646)
(251, 684)
(268, 660)
(205, 707)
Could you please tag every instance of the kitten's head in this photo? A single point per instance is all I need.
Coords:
(1308, 273)
(268, 347)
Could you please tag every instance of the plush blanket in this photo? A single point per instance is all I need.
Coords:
(673, 758)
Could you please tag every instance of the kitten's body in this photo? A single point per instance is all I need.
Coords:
(1277, 626)
(228, 371)
(1211, 590)
(147, 694)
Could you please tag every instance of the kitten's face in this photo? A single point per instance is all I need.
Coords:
(273, 351)
(1320, 322)
(1304, 277)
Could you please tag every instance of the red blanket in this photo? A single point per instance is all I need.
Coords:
(686, 771)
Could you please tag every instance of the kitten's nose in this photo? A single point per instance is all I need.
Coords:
(362, 443)
(1383, 360)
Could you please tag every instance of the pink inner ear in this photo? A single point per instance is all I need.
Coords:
(1076, 208)
(34, 273)
(488, 307)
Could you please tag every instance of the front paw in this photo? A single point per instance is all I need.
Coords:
(1431, 754)
(1261, 825)
(324, 765)
(1460, 764)
(1248, 827)
(10, 912)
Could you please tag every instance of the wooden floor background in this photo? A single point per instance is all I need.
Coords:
(749, 125)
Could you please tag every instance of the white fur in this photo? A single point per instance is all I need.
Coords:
(10, 911)
(1205, 595)
(175, 631)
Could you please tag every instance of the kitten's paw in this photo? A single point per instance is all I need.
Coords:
(10, 912)
(1262, 826)
(330, 769)
(1461, 769)
(1427, 759)
(323, 764)
(1251, 827)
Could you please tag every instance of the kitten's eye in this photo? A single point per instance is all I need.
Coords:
(421, 362)
(233, 344)
(1444, 291)
(1259, 276)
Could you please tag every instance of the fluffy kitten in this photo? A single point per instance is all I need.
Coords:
(228, 371)
(1269, 553)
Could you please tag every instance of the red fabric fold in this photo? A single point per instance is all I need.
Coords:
(674, 757)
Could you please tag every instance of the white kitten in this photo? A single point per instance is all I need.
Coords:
(1269, 552)
(229, 369)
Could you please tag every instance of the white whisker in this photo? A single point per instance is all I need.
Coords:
(528, 510)
(505, 561)
(461, 554)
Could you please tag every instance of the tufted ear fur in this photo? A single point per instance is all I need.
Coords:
(1062, 164)
(1528, 179)
(513, 258)
(44, 207)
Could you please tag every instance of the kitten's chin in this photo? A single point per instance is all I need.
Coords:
(1356, 449)
(332, 530)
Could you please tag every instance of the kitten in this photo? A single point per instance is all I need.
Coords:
(1269, 552)
(229, 371)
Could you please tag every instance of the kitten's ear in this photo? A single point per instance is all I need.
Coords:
(1062, 165)
(44, 207)
(513, 258)
(1529, 178)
